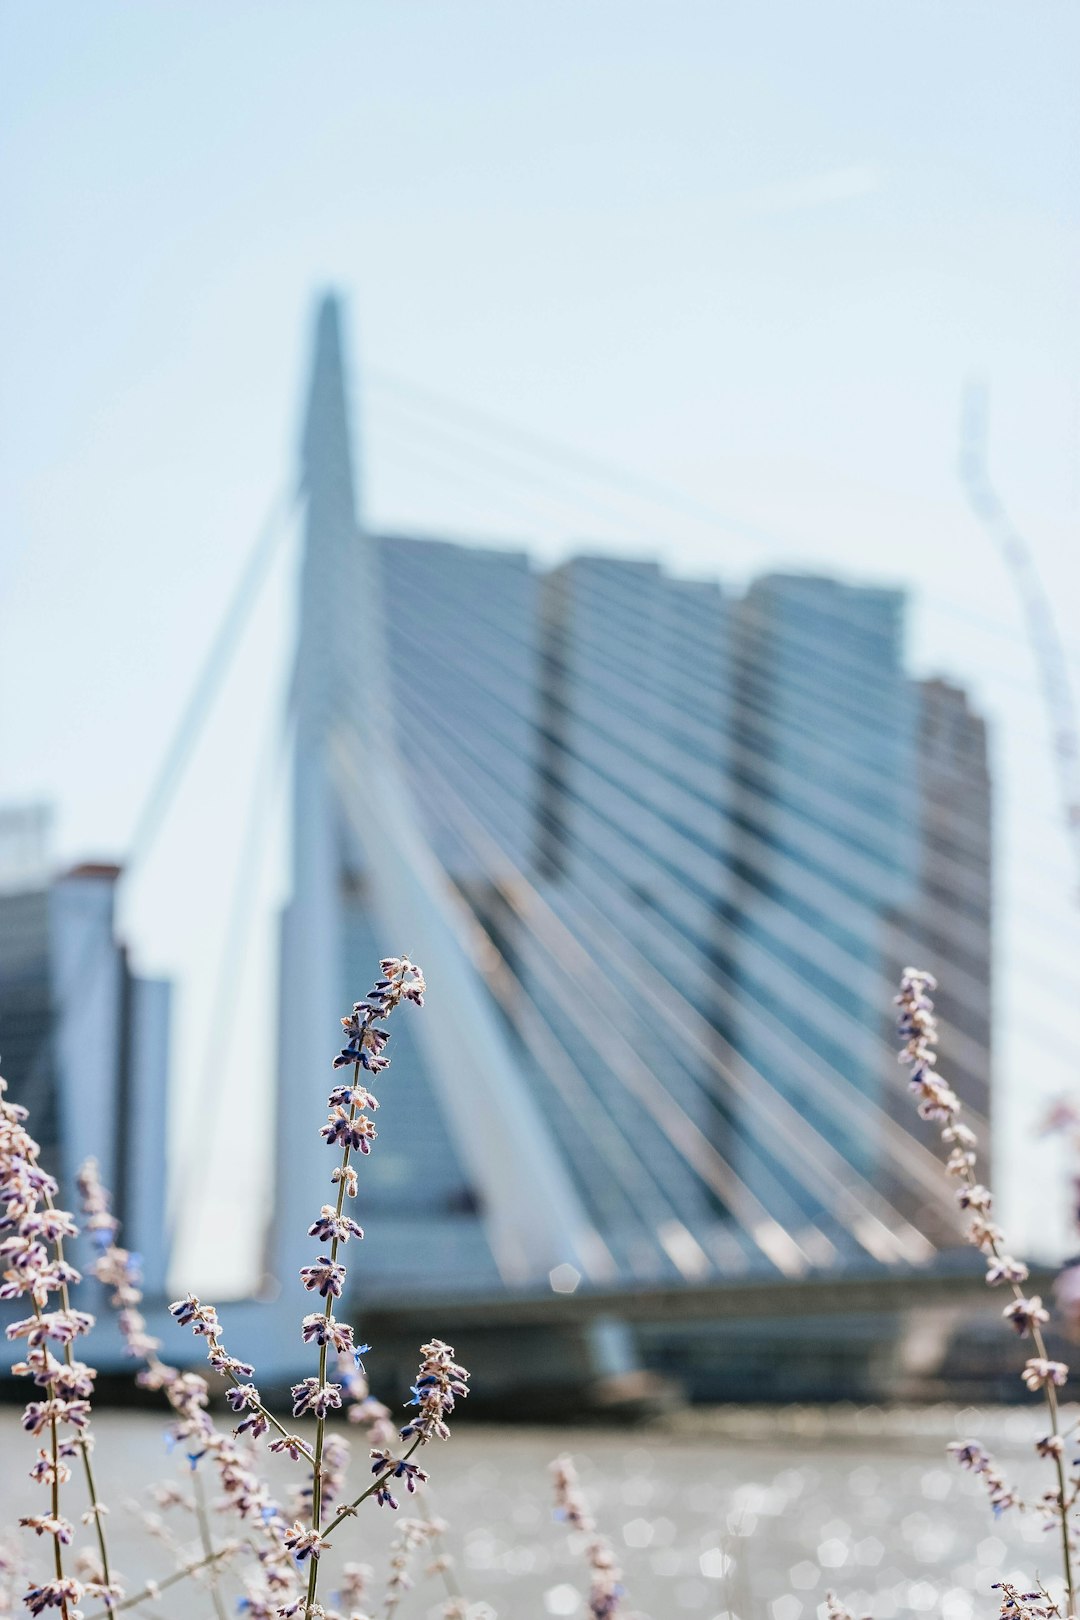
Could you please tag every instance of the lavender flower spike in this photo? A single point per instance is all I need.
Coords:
(439, 1383)
(243, 1493)
(350, 1128)
(34, 1268)
(936, 1101)
(606, 1589)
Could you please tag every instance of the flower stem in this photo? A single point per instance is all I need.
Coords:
(207, 1540)
(320, 1421)
(83, 1442)
(58, 1557)
(54, 1451)
(151, 1591)
(446, 1563)
(350, 1508)
(919, 1031)
(1050, 1394)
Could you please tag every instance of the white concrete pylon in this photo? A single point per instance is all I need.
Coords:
(352, 816)
(534, 1217)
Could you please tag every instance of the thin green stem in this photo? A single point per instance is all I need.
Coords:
(1059, 1466)
(449, 1574)
(445, 1562)
(54, 1493)
(207, 1540)
(1050, 1394)
(919, 1026)
(350, 1508)
(152, 1590)
(328, 1312)
(83, 1442)
(58, 1558)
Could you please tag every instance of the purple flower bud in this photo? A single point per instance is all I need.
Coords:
(324, 1276)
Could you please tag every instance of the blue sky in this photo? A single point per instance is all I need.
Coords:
(750, 251)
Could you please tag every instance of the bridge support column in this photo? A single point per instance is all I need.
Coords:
(621, 1382)
(922, 1348)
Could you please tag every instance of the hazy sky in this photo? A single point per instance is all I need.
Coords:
(749, 251)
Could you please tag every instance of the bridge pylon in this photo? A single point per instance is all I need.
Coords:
(363, 874)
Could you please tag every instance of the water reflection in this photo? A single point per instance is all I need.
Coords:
(721, 1515)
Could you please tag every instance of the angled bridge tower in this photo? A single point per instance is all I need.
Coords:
(466, 1188)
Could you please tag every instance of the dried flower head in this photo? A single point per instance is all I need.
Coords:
(439, 1383)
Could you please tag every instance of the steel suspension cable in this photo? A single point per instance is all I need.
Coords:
(665, 997)
(454, 656)
(639, 1189)
(182, 741)
(848, 1097)
(795, 1141)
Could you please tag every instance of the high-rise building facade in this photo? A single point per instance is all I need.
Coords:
(947, 925)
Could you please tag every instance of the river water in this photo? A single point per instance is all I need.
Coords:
(714, 1514)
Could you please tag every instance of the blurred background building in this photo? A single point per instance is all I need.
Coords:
(689, 838)
(84, 1042)
(662, 849)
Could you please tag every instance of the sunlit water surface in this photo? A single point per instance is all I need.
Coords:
(721, 1513)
